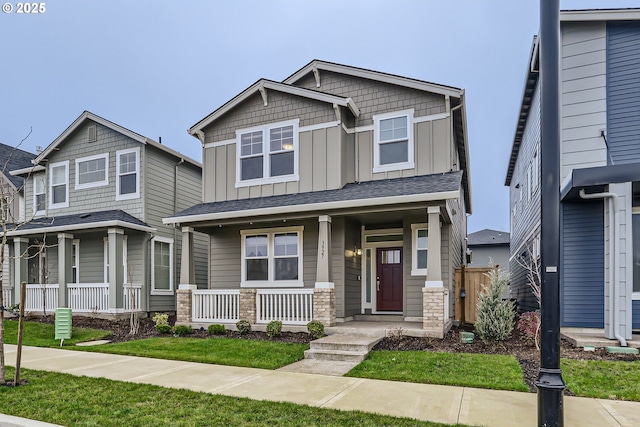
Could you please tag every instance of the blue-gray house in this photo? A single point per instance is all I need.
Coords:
(600, 173)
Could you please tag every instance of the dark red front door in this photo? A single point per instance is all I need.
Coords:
(389, 279)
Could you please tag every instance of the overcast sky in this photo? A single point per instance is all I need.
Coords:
(158, 67)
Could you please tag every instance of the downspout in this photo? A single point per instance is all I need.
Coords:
(614, 232)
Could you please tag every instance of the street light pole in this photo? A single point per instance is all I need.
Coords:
(549, 383)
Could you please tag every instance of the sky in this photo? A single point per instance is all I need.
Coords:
(157, 67)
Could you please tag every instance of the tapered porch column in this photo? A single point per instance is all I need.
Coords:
(435, 297)
(187, 278)
(434, 258)
(324, 294)
(116, 270)
(65, 266)
(21, 265)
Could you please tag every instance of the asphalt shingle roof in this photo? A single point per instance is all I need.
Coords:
(488, 237)
(14, 158)
(82, 219)
(424, 184)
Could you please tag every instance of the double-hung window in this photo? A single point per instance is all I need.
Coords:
(59, 185)
(39, 195)
(393, 141)
(162, 265)
(92, 171)
(267, 154)
(272, 257)
(419, 246)
(128, 174)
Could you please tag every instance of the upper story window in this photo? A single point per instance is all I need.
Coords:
(92, 171)
(419, 245)
(393, 141)
(267, 154)
(128, 174)
(59, 185)
(39, 195)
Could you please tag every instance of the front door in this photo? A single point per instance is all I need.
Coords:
(389, 279)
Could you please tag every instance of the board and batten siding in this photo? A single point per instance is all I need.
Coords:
(91, 262)
(623, 91)
(352, 269)
(582, 261)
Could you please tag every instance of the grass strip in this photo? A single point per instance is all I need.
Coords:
(603, 379)
(43, 335)
(498, 372)
(82, 401)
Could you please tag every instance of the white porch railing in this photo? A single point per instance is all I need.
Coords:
(290, 306)
(132, 291)
(215, 305)
(6, 297)
(36, 292)
(88, 297)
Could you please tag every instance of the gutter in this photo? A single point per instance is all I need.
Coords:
(614, 232)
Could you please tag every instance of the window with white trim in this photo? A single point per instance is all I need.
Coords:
(529, 181)
(161, 265)
(128, 174)
(536, 167)
(75, 261)
(419, 246)
(39, 195)
(59, 185)
(393, 141)
(272, 257)
(92, 171)
(267, 154)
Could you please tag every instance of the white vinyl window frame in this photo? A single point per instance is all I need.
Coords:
(119, 174)
(42, 191)
(536, 167)
(99, 183)
(271, 282)
(168, 241)
(378, 141)
(52, 184)
(266, 154)
(75, 267)
(635, 212)
(125, 261)
(415, 247)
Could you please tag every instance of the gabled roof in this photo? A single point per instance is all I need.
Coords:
(12, 158)
(369, 193)
(263, 84)
(87, 115)
(488, 237)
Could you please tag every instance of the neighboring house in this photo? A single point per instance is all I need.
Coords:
(12, 201)
(338, 192)
(94, 203)
(489, 247)
(600, 173)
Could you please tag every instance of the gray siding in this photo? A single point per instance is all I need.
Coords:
(623, 91)
(582, 261)
(484, 255)
(352, 270)
(91, 265)
(636, 314)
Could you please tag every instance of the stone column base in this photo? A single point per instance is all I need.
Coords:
(183, 306)
(435, 312)
(248, 305)
(324, 305)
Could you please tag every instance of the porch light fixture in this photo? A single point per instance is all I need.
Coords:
(357, 251)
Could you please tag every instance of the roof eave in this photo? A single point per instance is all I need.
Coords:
(73, 227)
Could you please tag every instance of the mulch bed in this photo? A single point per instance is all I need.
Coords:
(526, 353)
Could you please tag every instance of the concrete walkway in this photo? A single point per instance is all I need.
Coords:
(442, 404)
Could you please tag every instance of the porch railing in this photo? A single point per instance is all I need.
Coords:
(81, 297)
(290, 306)
(215, 305)
(129, 292)
(6, 297)
(41, 295)
(88, 297)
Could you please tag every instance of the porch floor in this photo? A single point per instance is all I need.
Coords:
(378, 328)
(581, 337)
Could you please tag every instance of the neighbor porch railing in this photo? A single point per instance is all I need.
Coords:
(215, 305)
(132, 295)
(6, 297)
(41, 295)
(290, 306)
(81, 297)
(88, 297)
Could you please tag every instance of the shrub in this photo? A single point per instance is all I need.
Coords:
(217, 329)
(316, 329)
(244, 327)
(163, 329)
(495, 317)
(529, 325)
(182, 330)
(160, 319)
(274, 328)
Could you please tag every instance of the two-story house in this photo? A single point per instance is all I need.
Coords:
(600, 173)
(338, 192)
(93, 239)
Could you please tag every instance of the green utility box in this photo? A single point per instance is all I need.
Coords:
(63, 324)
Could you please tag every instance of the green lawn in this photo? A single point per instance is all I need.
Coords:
(42, 335)
(492, 371)
(602, 378)
(219, 351)
(82, 401)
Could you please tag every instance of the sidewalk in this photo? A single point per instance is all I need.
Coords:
(442, 404)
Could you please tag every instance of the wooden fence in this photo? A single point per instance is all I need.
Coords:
(470, 279)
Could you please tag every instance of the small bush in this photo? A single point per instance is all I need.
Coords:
(316, 329)
(529, 325)
(182, 330)
(274, 328)
(244, 327)
(217, 329)
(495, 317)
(160, 319)
(163, 329)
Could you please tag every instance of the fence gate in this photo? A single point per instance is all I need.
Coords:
(469, 279)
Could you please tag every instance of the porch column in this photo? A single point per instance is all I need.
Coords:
(21, 265)
(116, 270)
(324, 294)
(435, 297)
(187, 270)
(65, 266)
(434, 258)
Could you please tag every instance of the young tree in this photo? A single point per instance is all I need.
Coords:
(495, 315)
(529, 323)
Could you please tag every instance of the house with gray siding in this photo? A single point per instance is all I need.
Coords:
(600, 173)
(489, 248)
(92, 238)
(340, 193)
